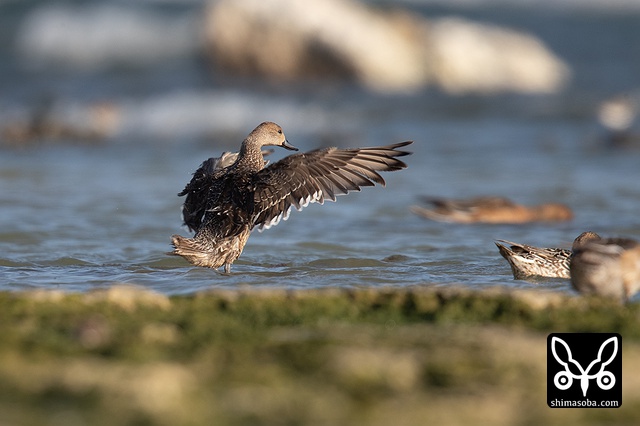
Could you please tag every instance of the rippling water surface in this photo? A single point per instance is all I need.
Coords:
(81, 216)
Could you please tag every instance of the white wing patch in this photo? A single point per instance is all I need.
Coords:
(316, 197)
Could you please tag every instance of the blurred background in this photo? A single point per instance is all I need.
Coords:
(107, 107)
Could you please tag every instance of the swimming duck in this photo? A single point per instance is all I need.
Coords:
(490, 210)
(528, 261)
(607, 267)
(224, 204)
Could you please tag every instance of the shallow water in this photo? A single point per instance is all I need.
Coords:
(81, 216)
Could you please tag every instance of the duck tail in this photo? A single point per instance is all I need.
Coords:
(505, 248)
(191, 250)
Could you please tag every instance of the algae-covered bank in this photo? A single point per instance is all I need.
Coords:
(446, 356)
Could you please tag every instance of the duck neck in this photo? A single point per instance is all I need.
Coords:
(250, 157)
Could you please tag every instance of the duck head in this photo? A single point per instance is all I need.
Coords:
(269, 133)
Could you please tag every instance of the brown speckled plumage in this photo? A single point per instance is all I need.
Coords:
(224, 204)
(528, 261)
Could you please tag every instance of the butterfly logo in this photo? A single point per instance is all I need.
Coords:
(564, 379)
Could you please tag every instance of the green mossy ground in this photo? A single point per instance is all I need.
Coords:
(443, 356)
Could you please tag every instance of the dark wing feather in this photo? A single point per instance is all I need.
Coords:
(197, 192)
(229, 206)
(312, 177)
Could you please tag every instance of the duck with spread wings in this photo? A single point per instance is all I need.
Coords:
(225, 202)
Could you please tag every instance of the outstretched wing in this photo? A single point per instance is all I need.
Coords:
(197, 192)
(312, 177)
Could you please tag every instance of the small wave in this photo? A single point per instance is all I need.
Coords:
(67, 261)
(195, 113)
(9, 263)
(347, 263)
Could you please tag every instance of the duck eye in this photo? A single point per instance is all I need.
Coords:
(280, 131)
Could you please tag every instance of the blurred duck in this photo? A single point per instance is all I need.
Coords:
(528, 261)
(51, 122)
(607, 267)
(490, 210)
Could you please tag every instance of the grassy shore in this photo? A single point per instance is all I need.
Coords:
(446, 356)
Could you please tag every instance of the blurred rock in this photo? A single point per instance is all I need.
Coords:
(289, 39)
(387, 51)
(618, 115)
(472, 57)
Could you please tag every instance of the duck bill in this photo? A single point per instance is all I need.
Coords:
(287, 145)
